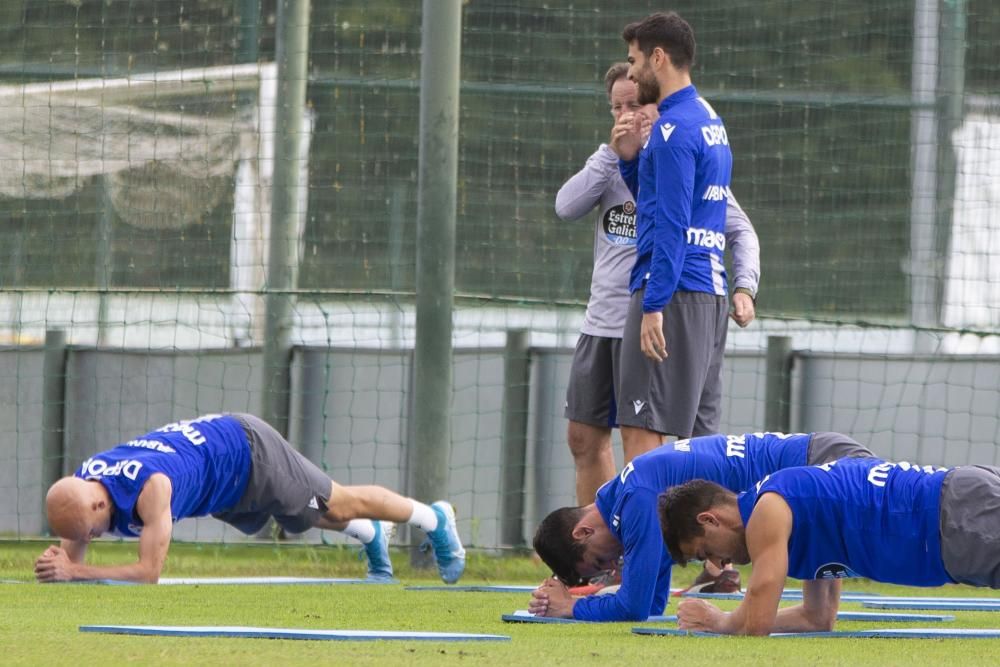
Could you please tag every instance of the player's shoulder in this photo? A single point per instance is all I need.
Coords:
(640, 490)
(679, 127)
(692, 113)
(705, 126)
(155, 491)
(634, 507)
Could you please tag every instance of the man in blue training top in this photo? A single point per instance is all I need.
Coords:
(579, 543)
(240, 470)
(592, 389)
(675, 329)
(896, 523)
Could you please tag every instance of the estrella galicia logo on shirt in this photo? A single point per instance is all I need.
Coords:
(834, 571)
(619, 224)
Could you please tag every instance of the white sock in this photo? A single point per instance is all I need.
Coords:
(423, 517)
(360, 529)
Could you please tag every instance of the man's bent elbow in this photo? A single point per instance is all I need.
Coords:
(622, 613)
(149, 577)
(634, 614)
(150, 574)
(757, 629)
(824, 622)
(565, 209)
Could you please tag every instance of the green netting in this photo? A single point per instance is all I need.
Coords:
(135, 204)
(816, 96)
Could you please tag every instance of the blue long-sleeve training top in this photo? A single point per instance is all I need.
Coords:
(681, 182)
(627, 504)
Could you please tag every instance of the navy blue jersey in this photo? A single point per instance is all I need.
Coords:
(206, 459)
(681, 183)
(628, 505)
(861, 517)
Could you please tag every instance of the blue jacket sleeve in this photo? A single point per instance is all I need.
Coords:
(645, 575)
(674, 166)
(630, 174)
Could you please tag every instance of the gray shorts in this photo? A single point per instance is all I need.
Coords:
(827, 446)
(593, 380)
(681, 395)
(970, 525)
(283, 484)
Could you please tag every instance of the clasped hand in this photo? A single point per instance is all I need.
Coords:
(552, 598)
(628, 133)
(54, 565)
(699, 615)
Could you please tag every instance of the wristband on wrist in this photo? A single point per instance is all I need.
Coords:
(744, 290)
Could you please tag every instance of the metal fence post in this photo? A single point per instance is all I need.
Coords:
(53, 411)
(778, 389)
(282, 263)
(430, 448)
(514, 437)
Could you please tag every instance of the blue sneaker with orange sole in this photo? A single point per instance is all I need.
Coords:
(448, 550)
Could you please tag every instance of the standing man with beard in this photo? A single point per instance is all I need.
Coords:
(675, 330)
(593, 387)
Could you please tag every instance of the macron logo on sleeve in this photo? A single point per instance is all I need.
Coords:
(666, 130)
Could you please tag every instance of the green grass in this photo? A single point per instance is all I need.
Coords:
(39, 623)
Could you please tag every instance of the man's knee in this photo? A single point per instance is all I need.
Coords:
(296, 524)
(588, 442)
(636, 441)
(345, 503)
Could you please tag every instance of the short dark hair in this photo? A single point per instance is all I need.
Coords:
(555, 545)
(678, 508)
(615, 72)
(666, 30)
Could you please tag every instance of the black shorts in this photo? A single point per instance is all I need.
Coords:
(283, 484)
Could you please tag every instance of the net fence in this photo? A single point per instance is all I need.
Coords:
(137, 144)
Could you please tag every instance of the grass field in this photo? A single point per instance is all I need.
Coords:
(39, 623)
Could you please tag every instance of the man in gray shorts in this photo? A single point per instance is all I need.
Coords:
(897, 523)
(594, 375)
(240, 470)
(621, 525)
(675, 329)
